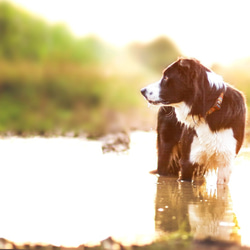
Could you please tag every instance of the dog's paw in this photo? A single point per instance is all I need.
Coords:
(223, 176)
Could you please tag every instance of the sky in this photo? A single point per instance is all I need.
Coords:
(213, 31)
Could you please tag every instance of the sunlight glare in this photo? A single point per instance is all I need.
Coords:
(64, 191)
(239, 193)
(118, 23)
(211, 177)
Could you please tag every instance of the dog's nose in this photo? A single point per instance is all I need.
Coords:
(143, 91)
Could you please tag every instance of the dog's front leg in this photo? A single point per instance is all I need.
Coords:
(187, 170)
(166, 165)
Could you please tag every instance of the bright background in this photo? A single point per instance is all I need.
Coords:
(211, 31)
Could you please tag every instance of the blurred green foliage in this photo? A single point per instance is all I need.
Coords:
(45, 98)
(24, 36)
(52, 82)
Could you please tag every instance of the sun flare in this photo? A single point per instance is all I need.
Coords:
(221, 25)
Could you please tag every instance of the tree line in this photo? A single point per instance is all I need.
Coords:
(51, 80)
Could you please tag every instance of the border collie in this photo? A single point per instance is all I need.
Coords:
(201, 121)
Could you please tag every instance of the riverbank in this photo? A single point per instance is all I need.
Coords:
(110, 244)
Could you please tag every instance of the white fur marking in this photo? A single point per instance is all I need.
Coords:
(215, 80)
(182, 111)
(153, 92)
(214, 150)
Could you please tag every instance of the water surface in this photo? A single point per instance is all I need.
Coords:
(65, 191)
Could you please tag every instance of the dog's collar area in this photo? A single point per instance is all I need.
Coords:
(217, 104)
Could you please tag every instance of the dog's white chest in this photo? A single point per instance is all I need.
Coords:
(213, 149)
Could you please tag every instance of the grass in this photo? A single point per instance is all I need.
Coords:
(42, 98)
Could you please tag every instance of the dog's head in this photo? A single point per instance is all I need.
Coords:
(186, 80)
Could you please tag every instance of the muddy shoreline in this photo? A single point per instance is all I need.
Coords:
(110, 244)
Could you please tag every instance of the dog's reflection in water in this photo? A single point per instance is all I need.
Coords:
(205, 212)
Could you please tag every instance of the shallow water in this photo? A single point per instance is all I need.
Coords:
(64, 191)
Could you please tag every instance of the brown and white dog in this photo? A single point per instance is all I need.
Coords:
(201, 122)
